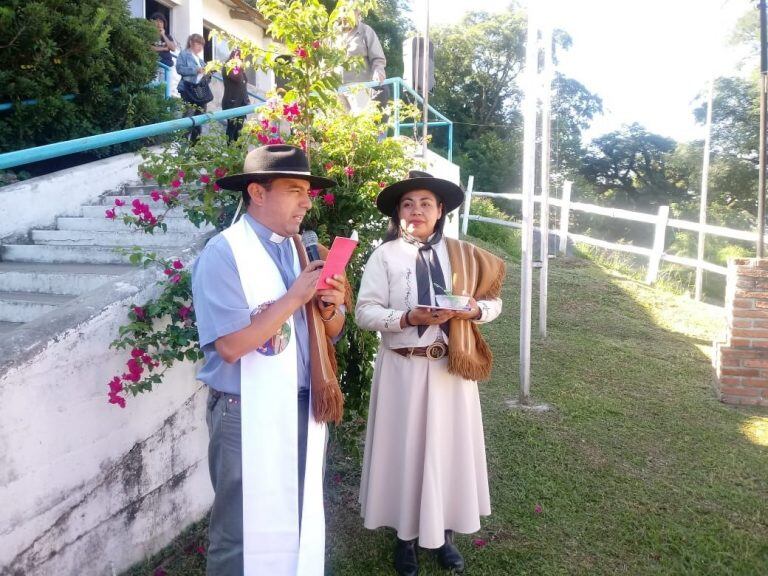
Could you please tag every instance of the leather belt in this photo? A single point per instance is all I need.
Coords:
(434, 351)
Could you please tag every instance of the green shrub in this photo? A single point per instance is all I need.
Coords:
(91, 49)
(506, 238)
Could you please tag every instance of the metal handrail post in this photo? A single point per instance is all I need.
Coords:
(396, 90)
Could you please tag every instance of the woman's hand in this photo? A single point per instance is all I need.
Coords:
(472, 314)
(428, 316)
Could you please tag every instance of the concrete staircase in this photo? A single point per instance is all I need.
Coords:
(56, 266)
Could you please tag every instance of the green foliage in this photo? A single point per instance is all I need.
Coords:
(341, 146)
(628, 168)
(90, 48)
(507, 239)
(477, 67)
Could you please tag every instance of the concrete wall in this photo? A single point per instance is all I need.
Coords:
(88, 488)
(56, 194)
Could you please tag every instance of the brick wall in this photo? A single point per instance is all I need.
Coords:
(742, 361)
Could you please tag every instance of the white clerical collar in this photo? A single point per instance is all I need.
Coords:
(263, 232)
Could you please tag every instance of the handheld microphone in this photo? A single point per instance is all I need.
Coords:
(309, 239)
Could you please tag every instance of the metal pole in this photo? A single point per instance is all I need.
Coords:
(424, 88)
(467, 204)
(546, 102)
(396, 88)
(529, 182)
(763, 87)
(704, 193)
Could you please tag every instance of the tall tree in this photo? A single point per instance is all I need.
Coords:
(478, 63)
(629, 167)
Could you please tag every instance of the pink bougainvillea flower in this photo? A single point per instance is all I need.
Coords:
(479, 543)
(337, 478)
(200, 549)
(263, 138)
(382, 184)
(139, 312)
(329, 199)
(181, 174)
(155, 195)
(159, 572)
(136, 352)
(167, 271)
(110, 213)
(175, 279)
(276, 141)
(184, 312)
(219, 172)
(328, 166)
(114, 398)
(146, 176)
(119, 202)
(303, 144)
(177, 264)
(216, 187)
(132, 377)
(174, 193)
(147, 359)
(538, 509)
(205, 179)
(264, 123)
(316, 44)
(175, 184)
(273, 129)
(314, 192)
(300, 52)
(349, 171)
(166, 198)
(115, 385)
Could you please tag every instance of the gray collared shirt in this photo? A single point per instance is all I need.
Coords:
(221, 307)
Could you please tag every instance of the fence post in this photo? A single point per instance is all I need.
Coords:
(565, 216)
(467, 203)
(659, 240)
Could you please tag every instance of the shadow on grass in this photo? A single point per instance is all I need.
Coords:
(637, 470)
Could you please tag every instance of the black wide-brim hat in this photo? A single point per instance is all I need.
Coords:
(449, 193)
(274, 161)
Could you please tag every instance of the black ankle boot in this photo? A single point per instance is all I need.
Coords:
(449, 556)
(406, 559)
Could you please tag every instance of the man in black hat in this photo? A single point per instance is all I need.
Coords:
(265, 331)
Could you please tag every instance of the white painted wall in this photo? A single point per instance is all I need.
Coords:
(46, 197)
(87, 487)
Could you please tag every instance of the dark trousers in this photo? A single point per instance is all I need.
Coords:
(225, 462)
(193, 110)
(234, 125)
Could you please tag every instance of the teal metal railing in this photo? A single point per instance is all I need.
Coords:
(398, 87)
(39, 153)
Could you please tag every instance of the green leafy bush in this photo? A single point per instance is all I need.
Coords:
(91, 49)
(506, 238)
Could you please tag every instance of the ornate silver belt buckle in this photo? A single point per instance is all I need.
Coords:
(437, 350)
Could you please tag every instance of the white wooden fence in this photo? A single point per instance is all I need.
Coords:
(660, 222)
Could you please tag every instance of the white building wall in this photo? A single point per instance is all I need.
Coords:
(87, 488)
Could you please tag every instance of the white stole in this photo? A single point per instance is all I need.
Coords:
(272, 544)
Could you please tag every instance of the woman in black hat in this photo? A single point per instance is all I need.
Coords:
(424, 470)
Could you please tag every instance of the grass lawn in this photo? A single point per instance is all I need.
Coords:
(638, 469)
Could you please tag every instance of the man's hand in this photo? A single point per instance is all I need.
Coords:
(379, 76)
(303, 287)
(335, 294)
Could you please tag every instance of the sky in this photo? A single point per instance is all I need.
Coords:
(647, 59)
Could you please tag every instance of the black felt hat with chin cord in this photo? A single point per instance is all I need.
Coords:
(449, 193)
(274, 161)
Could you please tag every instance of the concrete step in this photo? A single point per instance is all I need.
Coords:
(117, 238)
(65, 254)
(136, 189)
(72, 279)
(106, 225)
(6, 327)
(26, 306)
(99, 211)
(109, 201)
